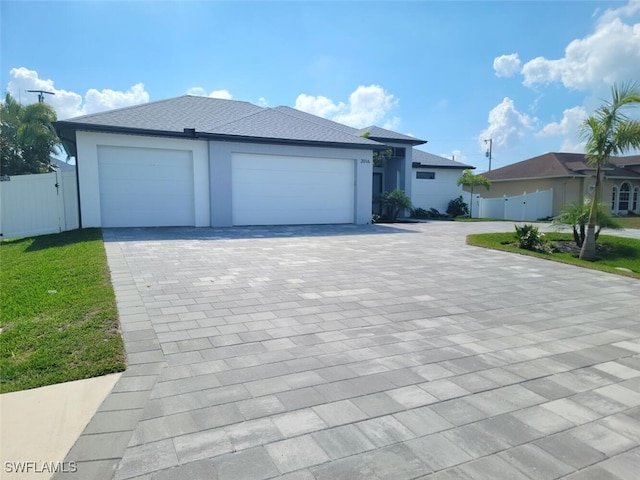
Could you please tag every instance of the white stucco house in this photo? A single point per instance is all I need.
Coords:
(433, 183)
(198, 161)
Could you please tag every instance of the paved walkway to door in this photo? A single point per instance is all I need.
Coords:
(386, 351)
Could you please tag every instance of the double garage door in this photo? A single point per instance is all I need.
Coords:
(287, 190)
(144, 187)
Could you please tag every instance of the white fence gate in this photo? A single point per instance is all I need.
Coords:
(38, 204)
(525, 207)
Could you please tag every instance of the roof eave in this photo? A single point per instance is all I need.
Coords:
(194, 135)
(415, 142)
(535, 178)
(452, 167)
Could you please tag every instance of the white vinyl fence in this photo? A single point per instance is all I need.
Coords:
(525, 207)
(38, 204)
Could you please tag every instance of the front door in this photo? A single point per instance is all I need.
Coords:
(377, 191)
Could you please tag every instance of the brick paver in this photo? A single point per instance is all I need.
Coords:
(382, 351)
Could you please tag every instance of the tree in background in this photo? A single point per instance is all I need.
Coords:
(471, 181)
(608, 132)
(27, 137)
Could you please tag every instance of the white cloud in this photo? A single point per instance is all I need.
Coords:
(201, 92)
(71, 104)
(569, 125)
(263, 102)
(456, 155)
(321, 106)
(568, 128)
(107, 99)
(610, 54)
(507, 65)
(366, 106)
(506, 125)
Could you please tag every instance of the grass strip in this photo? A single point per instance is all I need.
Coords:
(616, 252)
(58, 315)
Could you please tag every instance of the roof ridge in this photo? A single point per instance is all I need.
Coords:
(354, 130)
(128, 107)
(237, 119)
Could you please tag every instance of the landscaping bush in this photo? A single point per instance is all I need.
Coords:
(531, 238)
(457, 208)
(394, 202)
(431, 213)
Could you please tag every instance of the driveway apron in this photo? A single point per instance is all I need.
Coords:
(378, 351)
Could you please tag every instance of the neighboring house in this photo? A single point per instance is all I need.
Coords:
(433, 184)
(198, 161)
(62, 166)
(571, 179)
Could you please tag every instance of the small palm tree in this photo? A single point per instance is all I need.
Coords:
(468, 179)
(608, 132)
(576, 215)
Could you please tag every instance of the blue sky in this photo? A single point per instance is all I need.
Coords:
(451, 72)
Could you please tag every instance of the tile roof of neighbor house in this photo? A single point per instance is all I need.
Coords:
(425, 159)
(556, 164)
(630, 161)
(218, 117)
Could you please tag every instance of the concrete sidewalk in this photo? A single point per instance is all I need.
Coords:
(39, 426)
(388, 351)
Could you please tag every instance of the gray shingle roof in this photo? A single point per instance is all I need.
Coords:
(319, 120)
(377, 133)
(430, 160)
(274, 124)
(230, 119)
(172, 115)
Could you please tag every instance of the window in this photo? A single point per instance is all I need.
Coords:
(614, 198)
(426, 175)
(623, 199)
(634, 202)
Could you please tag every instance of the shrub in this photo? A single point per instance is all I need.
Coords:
(431, 213)
(395, 202)
(531, 238)
(419, 213)
(457, 208)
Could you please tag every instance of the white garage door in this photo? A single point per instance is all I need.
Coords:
(145, 187)
(281, 190)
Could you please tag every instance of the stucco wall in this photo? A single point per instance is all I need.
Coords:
(436, 193)
(87, 160)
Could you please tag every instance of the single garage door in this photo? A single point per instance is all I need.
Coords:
(145, 187)
(282, 190)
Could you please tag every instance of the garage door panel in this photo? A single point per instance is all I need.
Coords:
(271, 190)
(142, 187)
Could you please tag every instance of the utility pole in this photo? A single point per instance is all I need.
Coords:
(489, 152)
(40, 94)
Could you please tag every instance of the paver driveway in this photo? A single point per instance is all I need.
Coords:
(391, 352)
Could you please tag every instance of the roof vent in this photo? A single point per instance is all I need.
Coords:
(190, 131)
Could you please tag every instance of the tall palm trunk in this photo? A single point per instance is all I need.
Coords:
(588, 250)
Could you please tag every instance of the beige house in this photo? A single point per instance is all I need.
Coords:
(571, 179)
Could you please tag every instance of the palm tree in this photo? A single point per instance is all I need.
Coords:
(27, 137)
(608, 131)
(468, 179)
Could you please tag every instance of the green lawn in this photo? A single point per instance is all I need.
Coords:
(619, 252)
(57, 311)
(629, 222)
